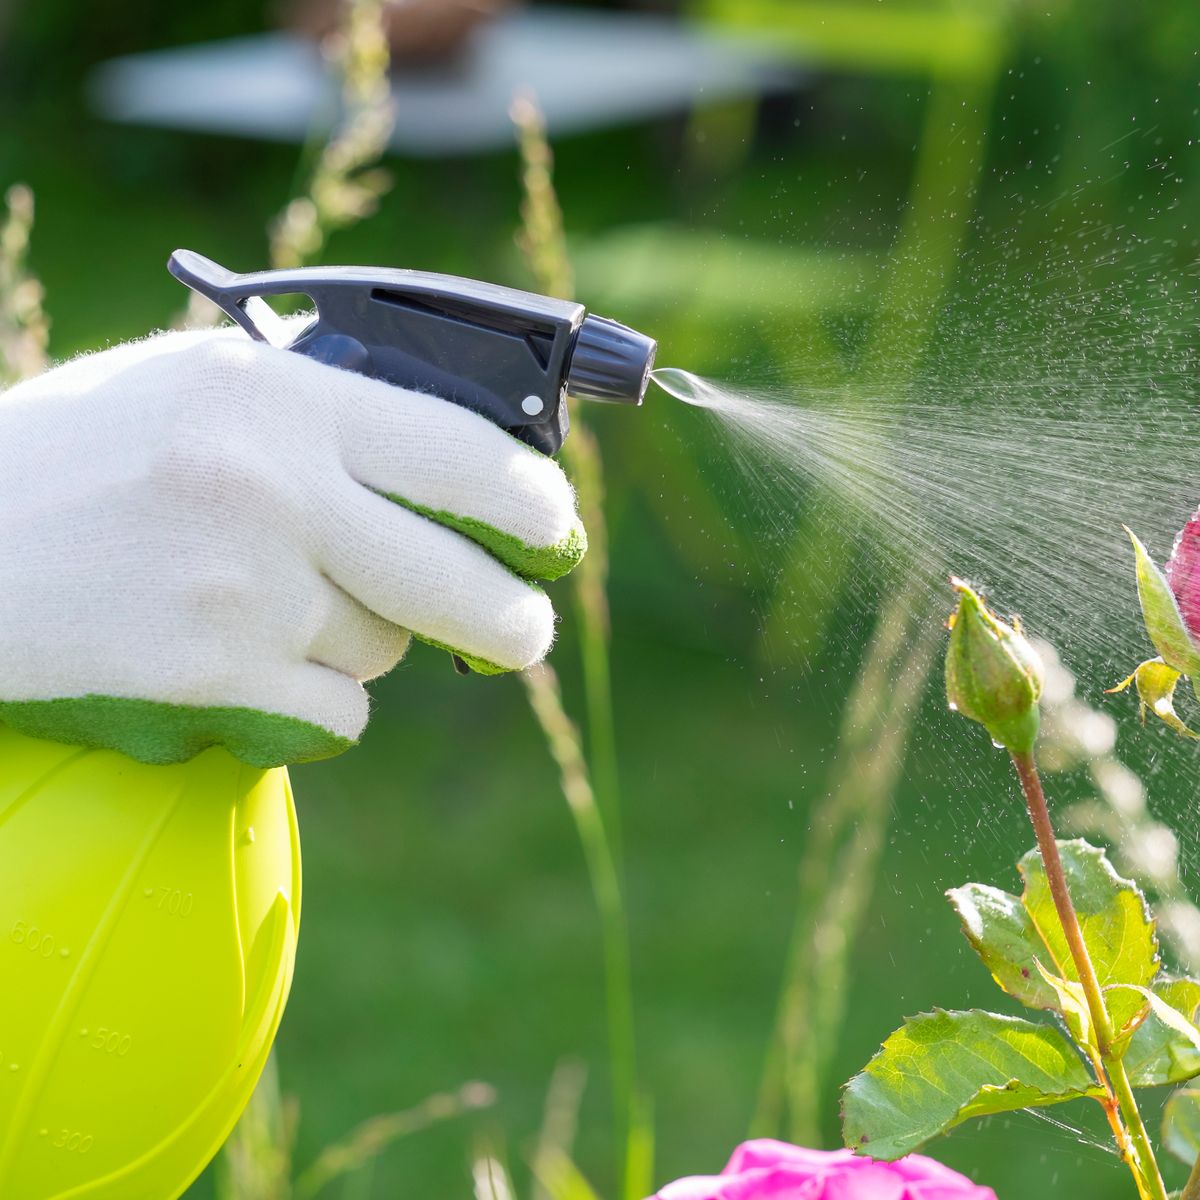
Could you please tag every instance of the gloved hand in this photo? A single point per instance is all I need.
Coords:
(205, 540)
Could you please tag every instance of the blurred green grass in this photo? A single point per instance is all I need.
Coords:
(448, 929)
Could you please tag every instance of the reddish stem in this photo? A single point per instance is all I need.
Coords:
(1128, 1126)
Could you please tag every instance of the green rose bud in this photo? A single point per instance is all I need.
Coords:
(993, 675)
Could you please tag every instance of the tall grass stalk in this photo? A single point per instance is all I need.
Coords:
(370, 1139)
(594, 795)
(555, 1175)
(257, 1161)
(562, 737)
(543, 241)
(841, 856)
(491, 1178)
(560, 1119)
(345, 184)
(24, 328)
(562, 1179)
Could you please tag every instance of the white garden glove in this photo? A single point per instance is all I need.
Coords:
(205, 540)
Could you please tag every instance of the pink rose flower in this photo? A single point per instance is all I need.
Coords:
(1183, 574)
(770, 1170)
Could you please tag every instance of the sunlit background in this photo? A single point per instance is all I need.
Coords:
(976, 206)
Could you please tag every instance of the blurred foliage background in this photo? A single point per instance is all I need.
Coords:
(449, 934)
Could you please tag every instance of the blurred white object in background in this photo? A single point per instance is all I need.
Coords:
(588, 69)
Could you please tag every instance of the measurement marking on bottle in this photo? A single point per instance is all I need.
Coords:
(108, 1041)
(73, 1141)
(173, 901)
(36, 941)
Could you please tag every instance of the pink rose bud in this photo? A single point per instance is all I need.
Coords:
(1183, 574)
(770, 1170)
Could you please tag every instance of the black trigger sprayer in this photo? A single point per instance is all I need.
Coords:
(514, 357)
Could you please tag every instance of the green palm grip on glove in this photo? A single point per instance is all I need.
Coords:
(154, 732)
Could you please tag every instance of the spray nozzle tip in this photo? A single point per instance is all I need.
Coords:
(611, 362)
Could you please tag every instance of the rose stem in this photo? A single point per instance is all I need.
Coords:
(1145, 1166)
(1191, 1189)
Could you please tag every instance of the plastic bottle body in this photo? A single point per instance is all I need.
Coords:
(148, 923)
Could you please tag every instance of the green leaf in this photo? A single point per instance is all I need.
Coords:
(1181, 1125)
(942, 1068)
(1164, 623)
(1166, 1046)
(1021, 940)
(1117, 927)
(1005, 937)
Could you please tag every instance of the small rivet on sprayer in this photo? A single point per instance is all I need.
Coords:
(532, 405)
